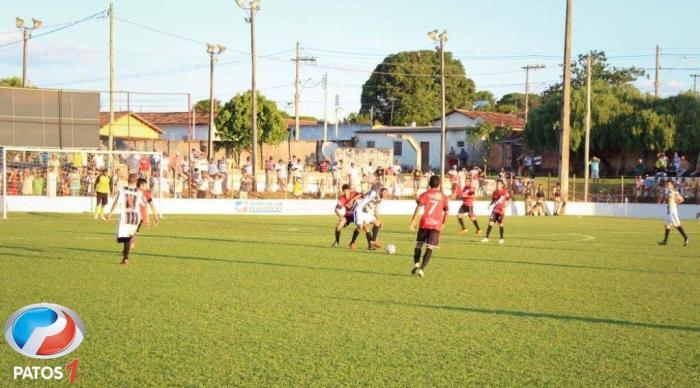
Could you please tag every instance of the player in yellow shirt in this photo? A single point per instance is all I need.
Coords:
(103, 189)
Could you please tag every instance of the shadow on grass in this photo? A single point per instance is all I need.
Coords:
(525, 314)
(248, 262)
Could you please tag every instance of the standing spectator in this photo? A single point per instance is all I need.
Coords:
(676, 163)
(335, 172)
(179, 186)
(246, 185)
(685, 167)
(528, 165)
(213, 169)
(247, 167)
(354, 177)
(397, 190)
(529, 198)
(454, 181)
(51, 182)
(203, 185)
(416, 176)
(38, 186)
(540, 207)
(661, 164)
(638, 188)
(639, 169)
(27, 182)
(558, 202)
(595, 169)
(396, 168)
(217, 187)
(282, 174)
(269, 173)
(463, 158)
(367, 171)
(74, 182)
(323, 165)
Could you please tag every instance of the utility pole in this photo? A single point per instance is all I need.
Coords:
(297, 87)
(527, 86)
(391, 117)
(589, 71)
(657, 84)
(325, 107)
(337, 109)
(442, 38)
(695, 83)
(566, 107)
(213, 51)
(26, 35)
(253, 7)
(111, 77)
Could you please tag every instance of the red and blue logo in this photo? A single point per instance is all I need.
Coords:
(44, 330)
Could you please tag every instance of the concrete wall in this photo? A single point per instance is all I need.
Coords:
(325, 207)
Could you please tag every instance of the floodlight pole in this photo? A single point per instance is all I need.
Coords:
(26, 35)
(566, 107)
(527, 86)
(589, 71)
(213, 51)
(111, 76)
(253, 7)
(442, 38)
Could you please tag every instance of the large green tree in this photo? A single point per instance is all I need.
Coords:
(411, 79)
(515, 102)
(485, 101)
(234, 127)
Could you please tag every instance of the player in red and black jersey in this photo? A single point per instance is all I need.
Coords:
(499, 201)
(344, 209)
(435, 208)
(467, 207)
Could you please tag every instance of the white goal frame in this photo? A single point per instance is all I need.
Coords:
(3, 173)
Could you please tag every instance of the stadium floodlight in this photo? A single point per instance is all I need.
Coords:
(433, 34)
(221, 48)
(19, 22)
(443, 36)
(36, 23)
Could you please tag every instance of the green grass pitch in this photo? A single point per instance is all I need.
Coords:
(231, 301)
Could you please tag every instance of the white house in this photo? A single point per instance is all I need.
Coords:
(404, 140)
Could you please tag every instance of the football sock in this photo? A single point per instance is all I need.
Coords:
(416, 255)
(355, 233)
(666, 232)
(98, 210)
(461, 222)
(500, 230)
(337, 236)
(488, 231)
(426, 258)
(476, 224)
(369, 238)
(127, 247)
(375, 232)
(680, 229)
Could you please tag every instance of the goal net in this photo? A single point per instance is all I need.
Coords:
(43, 179)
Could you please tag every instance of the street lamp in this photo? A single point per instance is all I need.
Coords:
(442, 38)
(252, 7)
(27, 34)
(213, 50)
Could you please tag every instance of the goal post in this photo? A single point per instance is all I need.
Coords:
(63, 180)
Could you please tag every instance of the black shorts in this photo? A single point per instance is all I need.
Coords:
(497, 218)
(349, 217)
(102, 199)
(429, 236)
(468, 209)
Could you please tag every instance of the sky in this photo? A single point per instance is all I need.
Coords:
(493, 39)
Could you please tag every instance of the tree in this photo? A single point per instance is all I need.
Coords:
(11, 81)
(234, 127)
(487, 135)
(202, 106)
(515, 102)
(357, 118)
(484, 100)
(412, 80)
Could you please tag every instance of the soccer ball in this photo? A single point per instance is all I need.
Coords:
(390, 249)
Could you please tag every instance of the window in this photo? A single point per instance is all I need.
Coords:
(370, 143)
(460, 144)
(398, 148)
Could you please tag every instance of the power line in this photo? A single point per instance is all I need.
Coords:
(63, 27)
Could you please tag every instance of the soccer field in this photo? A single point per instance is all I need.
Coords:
(266, 301)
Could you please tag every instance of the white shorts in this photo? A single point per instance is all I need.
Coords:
(126, 230)
(673, 219)
(362, 218)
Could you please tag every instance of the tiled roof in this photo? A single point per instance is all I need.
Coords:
(104, 119)
(302, 123)
(183, 119)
